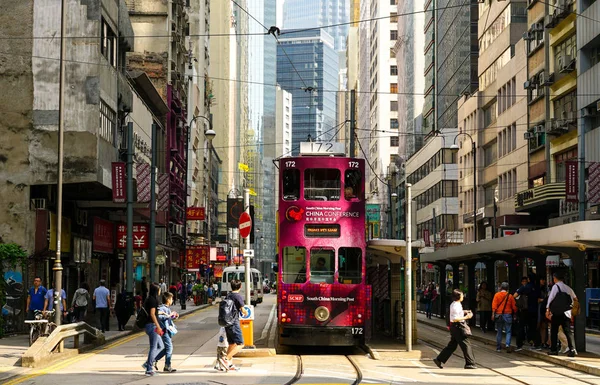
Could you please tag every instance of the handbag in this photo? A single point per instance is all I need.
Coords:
(497, 316)
(142, 318)
(464, 328)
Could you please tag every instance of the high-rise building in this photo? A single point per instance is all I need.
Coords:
(300, 14)
(307, 67)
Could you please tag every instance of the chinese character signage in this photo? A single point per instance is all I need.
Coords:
(426, 237)
(103, 236)
(373, 213)
(196, 256)
(143, 182)
(195, 214)
(571, 185)
(140, 236)
(594, 183)
(118, 182)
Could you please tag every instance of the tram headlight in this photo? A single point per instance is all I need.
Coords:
(322, 313)
(283, 315)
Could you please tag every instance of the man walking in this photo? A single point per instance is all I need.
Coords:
(503, 308)
(163, 286)
(49, 301)
(102, 299)
(35, 298)
(560, 303)
(234, 332)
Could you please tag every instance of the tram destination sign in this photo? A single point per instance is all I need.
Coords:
(320, 148)
(322, 231)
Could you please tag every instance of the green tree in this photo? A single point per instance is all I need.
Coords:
(11, 257)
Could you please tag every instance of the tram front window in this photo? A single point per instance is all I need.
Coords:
(350, 265)
(294, 264)
(321, 184)
(291, 185)
(322, 265)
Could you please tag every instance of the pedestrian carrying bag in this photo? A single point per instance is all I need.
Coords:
(464, 328)
(497, 316)
(522, 302)
(226, 312)
(561, 302)
(142, 318)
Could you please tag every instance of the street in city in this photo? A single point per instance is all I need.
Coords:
(119, 361)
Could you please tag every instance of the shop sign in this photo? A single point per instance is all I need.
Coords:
(571, 183)
(195, 214)
(140, 236)
(373, 213)
(196, 256)
(103, 236)
(426, 237)
(65, 236)
(119, 192)
(160, 259)
(594, 183)
(143, 182)
(508, 233)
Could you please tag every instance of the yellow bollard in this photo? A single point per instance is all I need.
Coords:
(247, 327)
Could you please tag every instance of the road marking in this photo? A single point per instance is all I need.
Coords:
(424, 367)
(273, 334)
(265, 331)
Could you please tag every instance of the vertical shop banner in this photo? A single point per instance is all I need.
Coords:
(594, 183)
(65, 236)
(426, 237)
(143, 182)
(119, 192)
(163, 192)
(103, 241)
(195, 214)
(195, 256)
(572, 180)
(234, 210)
(140, 236)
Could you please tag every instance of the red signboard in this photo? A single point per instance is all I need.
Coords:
(594, 183)
(295, 298)
(195, 214)
(140, 236)
(104, 241)
(426, 237)
(196, 256)
(245, 225)
(572, 180)
(118, 182)
(218, 271)
(143, 182)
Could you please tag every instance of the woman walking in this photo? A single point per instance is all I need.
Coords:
(459, 333)
(484, 306)
(153, 329)
(430, 296)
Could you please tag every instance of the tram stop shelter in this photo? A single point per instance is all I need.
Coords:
(576, 241)
(386, 259)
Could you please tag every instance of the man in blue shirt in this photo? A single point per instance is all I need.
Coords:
(102, 299)
(35, 297)
(49, 302)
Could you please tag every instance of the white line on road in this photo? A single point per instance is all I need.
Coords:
(273, 333)
(424, 367)
(265, 331)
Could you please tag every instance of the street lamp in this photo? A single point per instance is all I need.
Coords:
(454, 149)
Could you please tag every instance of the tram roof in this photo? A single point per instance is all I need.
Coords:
(583, 235)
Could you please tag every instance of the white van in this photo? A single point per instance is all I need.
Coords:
(239, 272)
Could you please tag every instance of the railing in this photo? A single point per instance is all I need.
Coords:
(42, 352)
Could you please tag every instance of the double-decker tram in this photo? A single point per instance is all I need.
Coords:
(322, 295)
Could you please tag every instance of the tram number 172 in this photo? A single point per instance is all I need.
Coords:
(356, 331)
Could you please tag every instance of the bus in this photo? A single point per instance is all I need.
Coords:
(322, 295)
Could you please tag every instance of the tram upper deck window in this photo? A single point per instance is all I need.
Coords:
(322, 265)
(322, 184)
(294, 264)
(352, 184)
(291, 184)
(350, 265)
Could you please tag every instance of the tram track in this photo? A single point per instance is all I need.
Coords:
(302, 368)
(437, 345)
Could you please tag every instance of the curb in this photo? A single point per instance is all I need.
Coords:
(260, 352)
(532, 353)
(372, 352)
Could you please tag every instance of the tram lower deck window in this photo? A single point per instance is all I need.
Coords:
(294, 264)
(322, 184)
(350, 265)
(322, 265)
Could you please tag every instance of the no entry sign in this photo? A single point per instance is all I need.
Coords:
(245, 225)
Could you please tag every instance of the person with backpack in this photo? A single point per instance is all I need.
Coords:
(229, 318)
(558, 310)
(80, 301)
(148, 319)
(503, 308)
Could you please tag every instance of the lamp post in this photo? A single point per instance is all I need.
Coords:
(454, 149)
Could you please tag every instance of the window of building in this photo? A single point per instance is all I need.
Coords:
(394, 123)
(392, 54)
(394, 142)
(561, 159)
(489, 75)
(566, 107)
(539, 89)
(490, 192)
(393, 17)
(489, 155)
(565, 52)
(294, 264)
(108, 46)
(394, 88)
(393, 34)
(489, 114)
(393, 105)
(350, 265)
(107, 122)
(393, 2)
(321, 184)
(393, 70)
(291, 184)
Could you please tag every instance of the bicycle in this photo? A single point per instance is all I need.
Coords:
(41, 326)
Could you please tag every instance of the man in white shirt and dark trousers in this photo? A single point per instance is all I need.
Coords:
(102, 299)
(560, 303)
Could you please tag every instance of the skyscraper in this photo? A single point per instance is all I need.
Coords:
(300, 14)
(307, 67)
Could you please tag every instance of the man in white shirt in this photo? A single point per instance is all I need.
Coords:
(560, 302)
(163, 286)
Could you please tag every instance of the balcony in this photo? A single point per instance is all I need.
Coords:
(540, 199)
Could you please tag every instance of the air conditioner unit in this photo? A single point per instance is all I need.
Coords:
(37, 204)
(528, 135)
(546, 80)
(527, 85)
(528, 36)
(549, 21)
(539, 129)
(537, 27)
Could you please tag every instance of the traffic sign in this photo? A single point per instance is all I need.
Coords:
(249, 313)
(245, 225)
(249, 253)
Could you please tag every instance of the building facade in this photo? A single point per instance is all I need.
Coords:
(307, 66)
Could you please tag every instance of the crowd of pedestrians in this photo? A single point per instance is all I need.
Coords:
(535, 313)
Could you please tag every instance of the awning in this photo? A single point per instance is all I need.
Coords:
(391, 249)
(584, 235)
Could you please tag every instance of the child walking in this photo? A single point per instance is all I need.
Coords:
(165, 319)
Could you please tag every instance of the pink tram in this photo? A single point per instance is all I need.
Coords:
(322, 295)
